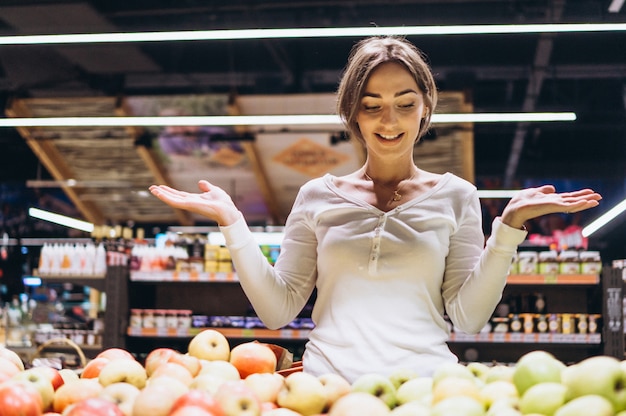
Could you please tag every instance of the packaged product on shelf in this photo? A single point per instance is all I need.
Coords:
(548, 262)
(527, 262)
(569, 262)
(590, 262)
(136, 318)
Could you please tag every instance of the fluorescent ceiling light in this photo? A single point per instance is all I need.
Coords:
(321, 32)
(60, 219)
(616, 6)
(604, 219)
(497, 193)
(301, 119)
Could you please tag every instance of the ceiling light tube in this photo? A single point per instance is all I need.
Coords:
(315, 32)
(267, 120)
(604, 219)
(60, 219)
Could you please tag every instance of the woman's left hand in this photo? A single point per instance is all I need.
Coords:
(535, 202)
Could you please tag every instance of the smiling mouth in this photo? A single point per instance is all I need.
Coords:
(389, 137)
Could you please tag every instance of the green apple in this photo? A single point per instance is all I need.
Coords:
(359, 403)
(456, 386)
(543, 398)
(417, 389)
(503, 407)
(480, 370)
(500, 372)
(458, 406)
(589, 405)
(303, 393)
(536, 367)
(377, 385)
(411, 409)
(498, 390)
(402, 375)
(601, 375)
(451, 369)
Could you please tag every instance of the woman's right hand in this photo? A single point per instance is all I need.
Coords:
(213, 202)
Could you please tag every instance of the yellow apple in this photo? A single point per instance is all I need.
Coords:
(210, 345)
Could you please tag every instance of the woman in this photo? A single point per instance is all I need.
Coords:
(390, 248)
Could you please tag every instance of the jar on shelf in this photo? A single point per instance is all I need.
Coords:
(527, 262)
(569, 262)
(148, 318)
(184, 318)
(171, 318)
(136, 318)
(160, 318)
(549, 262)
(590, 262)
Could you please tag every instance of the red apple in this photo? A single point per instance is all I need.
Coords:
(210, 345)
(39, 381)
(114, 353)
(94, 406)
(188, 361)
(191, 411)
(12, 356)
(92, 368)
(54, 375)
(237, 399)
(75, 391)
(157, 357)
(18, 398)
(173, 370)
(8, 368)
(253, 357)
(200, 399)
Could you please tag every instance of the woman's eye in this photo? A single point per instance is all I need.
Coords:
(410, 105)
(370, 107)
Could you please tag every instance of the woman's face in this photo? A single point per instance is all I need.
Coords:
(390, 110)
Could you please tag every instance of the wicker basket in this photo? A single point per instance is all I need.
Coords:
(49, 344)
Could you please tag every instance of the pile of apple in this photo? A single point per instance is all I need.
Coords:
(211, 379)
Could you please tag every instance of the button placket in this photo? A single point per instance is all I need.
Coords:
(375, 251)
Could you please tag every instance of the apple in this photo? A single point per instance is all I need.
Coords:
(18, 398)
(223, 369)
(173, 370)
(68, 375)
(377, 385)
(173, 384)
(359, 403)
(455, 386)
(93, 406)
(200, 399)
(499, 372)
(451, 369)
(589, 405)
(602, 375)
(536, 367)
(415, 390)
(92, 368)
(156, 357)
(54, 375)
(115, 353)
(335, 386)
(40, 382)
(265, 385)
(280, 411)
(480, 370)
(12, 356)
(191, 411)
(190, 362)
(253, 357)
(8, 368)
(543, 398)
(458, 405)
(121, 369)
(155, 400)
(237, 399)
(402, 375)
(207, 382)
(75, 391)
(122, 394)
(411, 409)
(504, 408)
(210, 345)
(303, 393)
(499, 390)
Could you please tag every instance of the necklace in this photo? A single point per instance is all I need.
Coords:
(396, 192)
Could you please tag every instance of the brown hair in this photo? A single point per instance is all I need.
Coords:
(368, 54)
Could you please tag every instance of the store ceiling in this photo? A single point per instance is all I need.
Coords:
(584, 73)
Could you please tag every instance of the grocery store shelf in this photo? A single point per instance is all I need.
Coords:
(555, 279)
(175, 276)
(256, 333)
(96, 282)
(532, 338)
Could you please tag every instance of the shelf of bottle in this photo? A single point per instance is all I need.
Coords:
(175, 276)
(531, 338)
(253, 333)
(96, 281)
(553, 279)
